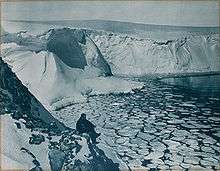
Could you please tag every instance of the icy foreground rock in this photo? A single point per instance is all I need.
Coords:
(32, 139)
(13, 139)
(67, 152)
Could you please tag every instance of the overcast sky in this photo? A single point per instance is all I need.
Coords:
(188, 13)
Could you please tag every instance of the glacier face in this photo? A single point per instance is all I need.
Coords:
(49, 75)
(121, 54)
(137, 57)
(63, 66)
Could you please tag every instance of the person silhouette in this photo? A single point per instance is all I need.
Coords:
(85, 126)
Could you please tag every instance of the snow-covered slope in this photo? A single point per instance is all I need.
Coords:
(13, 140)
(134, 56)
(16, 99)
(21, 116)
(31, 138)
(67, 152)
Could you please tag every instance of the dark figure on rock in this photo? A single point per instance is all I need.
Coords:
(85, 126)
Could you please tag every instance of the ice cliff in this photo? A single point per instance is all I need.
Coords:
(61, 66)
(132, 56)
(121, 54)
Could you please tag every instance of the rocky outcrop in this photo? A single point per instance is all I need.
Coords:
(25, 124)
(74, 152)
(70, 152)
(23, 104)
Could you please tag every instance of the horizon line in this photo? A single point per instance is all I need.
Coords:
(20, 20)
